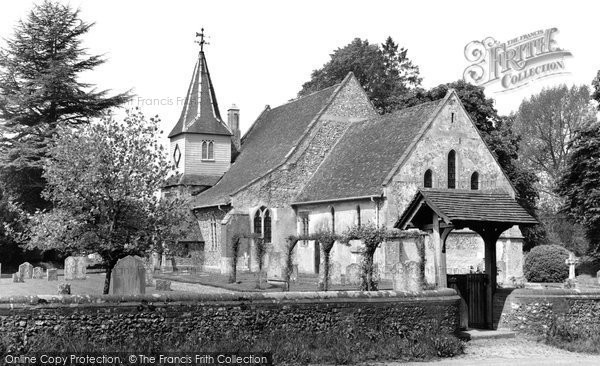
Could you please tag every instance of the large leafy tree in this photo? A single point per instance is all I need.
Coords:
(580, 182)
(384, 71)
(498, 132)
(40, 89)
(103, 181)
(546, 122)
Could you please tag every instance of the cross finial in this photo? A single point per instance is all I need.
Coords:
(201, 42)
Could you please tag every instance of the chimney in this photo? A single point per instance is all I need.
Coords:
(233, 122)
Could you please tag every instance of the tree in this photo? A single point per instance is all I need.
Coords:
(499, 134)
(40, 90)
(546, 123)
(580, 182)
(384, 72)
(103, 179)
(371, 237)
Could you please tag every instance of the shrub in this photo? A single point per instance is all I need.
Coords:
(546, 263)
(573, 337)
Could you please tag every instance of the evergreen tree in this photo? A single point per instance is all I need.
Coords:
(40, 90)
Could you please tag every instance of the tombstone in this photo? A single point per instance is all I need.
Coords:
(294, 275)
(155, 260)
(81, 268)
(64, 289)
(598, 277)
(52, 274)
(335, 273)
(38, 273)
(16, 277)
(276, 266)
(70, 268)
(353, 274)
(399, 277)
(149, 277)
(571, 262)
(413, 276)
(163, 285)
(129, 277)
(26, 270)
(165, 265)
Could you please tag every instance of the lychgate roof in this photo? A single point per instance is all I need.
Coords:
(200, 113)
(459, 206)
(359, 163)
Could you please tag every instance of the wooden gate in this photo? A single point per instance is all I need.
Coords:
(471, 287)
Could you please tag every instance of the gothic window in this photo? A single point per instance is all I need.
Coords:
(452, 117)
(211, 155)
(262, 223)
(428, 179)
(358, 215)
(475, 181)
(332, 220)
(452, 169)
(204, 150)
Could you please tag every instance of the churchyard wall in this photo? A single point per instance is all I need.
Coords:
(535, 310)
(217, 315)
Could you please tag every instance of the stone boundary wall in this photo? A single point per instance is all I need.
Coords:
(101, 317)
(533, 310)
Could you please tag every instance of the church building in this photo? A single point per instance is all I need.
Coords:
(327, 161)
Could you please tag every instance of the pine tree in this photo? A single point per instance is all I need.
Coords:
(40, 90)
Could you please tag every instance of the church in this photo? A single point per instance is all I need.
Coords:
(328, 161)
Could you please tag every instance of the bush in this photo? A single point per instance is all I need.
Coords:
(546, 263)
(573, 337)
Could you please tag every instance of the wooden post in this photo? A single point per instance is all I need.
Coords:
(440, 260)
(490, 271)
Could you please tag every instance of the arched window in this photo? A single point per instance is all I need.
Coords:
(428, 179)
(211, 155)
(358, 215)
(262, 223)
(475, 181)
(452, 169)
(332, 219)
(204, 150)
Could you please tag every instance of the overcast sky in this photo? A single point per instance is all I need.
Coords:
(261, 52)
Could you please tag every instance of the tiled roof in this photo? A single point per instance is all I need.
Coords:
(359, 163)
(266, 145)
(469, 205)
(200, 113)
(192, 180)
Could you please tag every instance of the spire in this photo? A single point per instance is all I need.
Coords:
(200, 112)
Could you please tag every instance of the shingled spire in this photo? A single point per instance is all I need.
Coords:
(200, 112)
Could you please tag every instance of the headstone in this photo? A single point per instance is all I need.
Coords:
(70, 268)
(149, 274)
(81, 268)
(598, 277)
(38, 273)
(353, 274)
(294, 275)
(52, 274)
(413, 276)
(64, 289)
(26, 270)
(129, 277)
(335, 273)
(166, 265)
(163, 285)
(276, 266)
(399, 277)
(155, 260)
(16, 277)
(571, 262)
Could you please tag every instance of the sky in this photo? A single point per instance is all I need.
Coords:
(261, 52)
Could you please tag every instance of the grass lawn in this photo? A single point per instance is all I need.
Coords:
(93, 285)
(247, 281)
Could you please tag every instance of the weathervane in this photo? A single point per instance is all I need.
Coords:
(201, 42)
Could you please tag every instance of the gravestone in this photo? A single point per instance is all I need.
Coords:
(598, 277)
(38, 273)
(294, 275)
(26, 270)
(52, 274)
(166, 265)
(399, 277)
(163, 285)
(70, 268)
(129, 277)
(155, 260)
(571, 262)
(16, 277)
(276, 266)
(81, 268)
(413, 276)
(353, 274)
(64, 289)
(149, 274)
(335, 273)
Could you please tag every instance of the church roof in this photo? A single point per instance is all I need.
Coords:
(200, 113)
(361, 161)
(192, 180)
(266, 145)
(455, 206)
